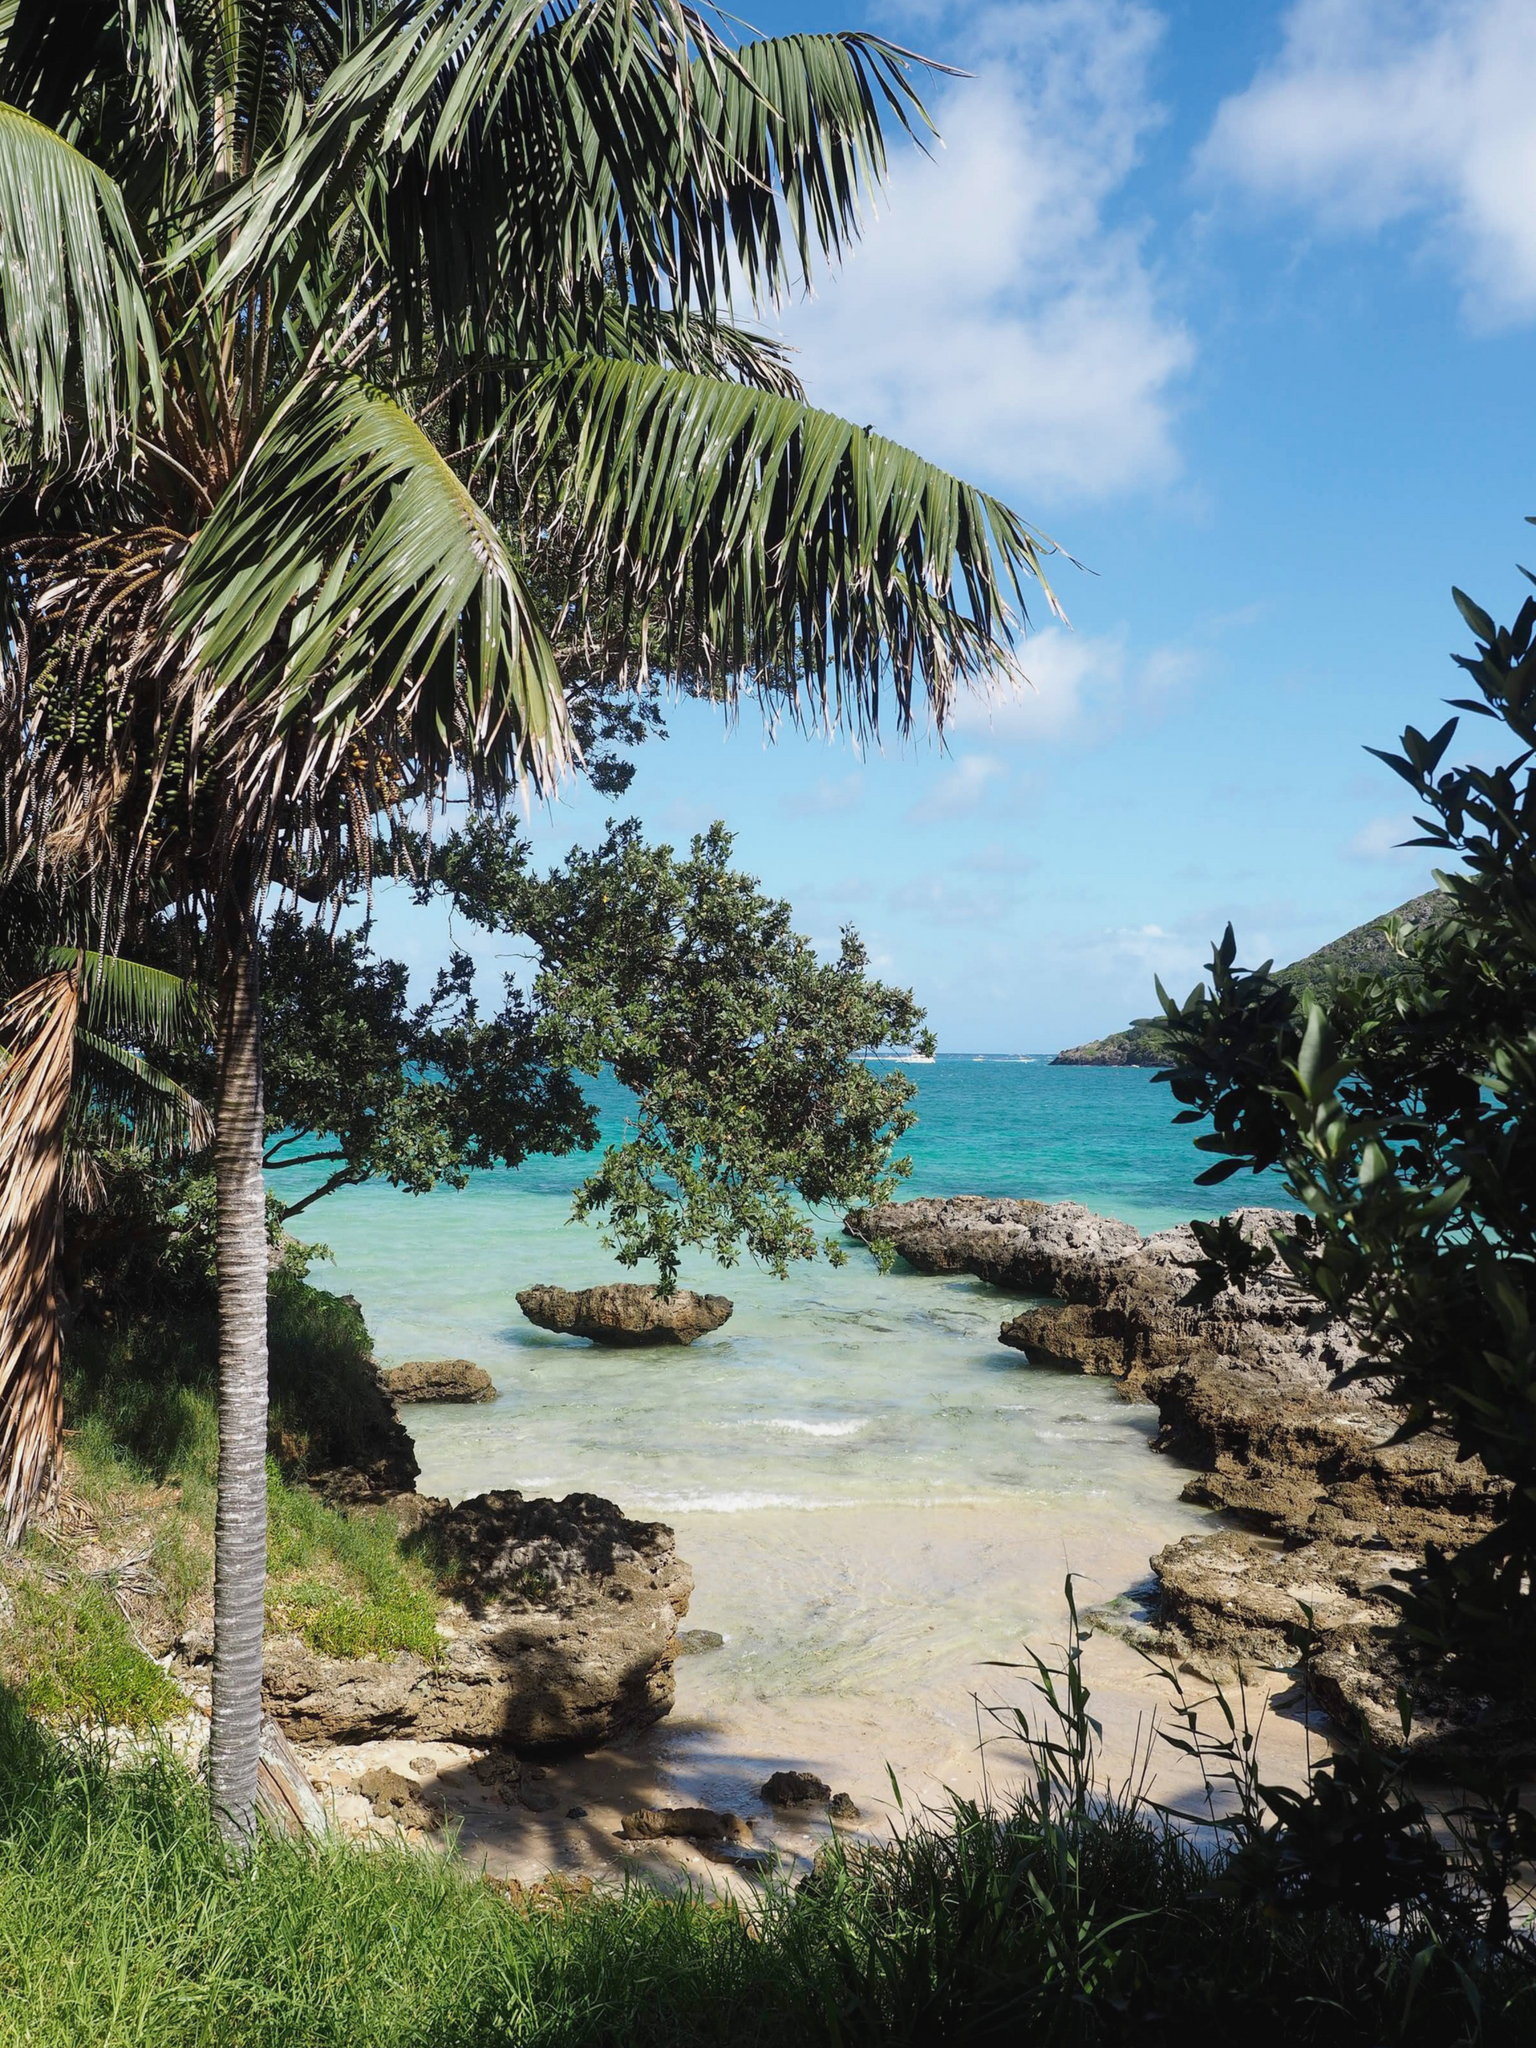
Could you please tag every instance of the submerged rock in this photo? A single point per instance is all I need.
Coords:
(692, 1823)
(626, 1313)
(438, 1379)
(564, 1631)
(698, 1642)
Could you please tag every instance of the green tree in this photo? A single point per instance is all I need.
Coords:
(1403, 1116)
(337, 339)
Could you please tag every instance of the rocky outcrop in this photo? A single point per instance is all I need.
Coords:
(438, 1379)
(1251, 1389)
(561, 1633)
(1135, 1047)
(1125, 1305)
(626, 1313)
(370, 1458)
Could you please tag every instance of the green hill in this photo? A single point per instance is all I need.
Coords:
(1361, 951)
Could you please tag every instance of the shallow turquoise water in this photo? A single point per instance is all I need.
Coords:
(874, 1493)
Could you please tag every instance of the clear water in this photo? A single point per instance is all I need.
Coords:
(874, 1494)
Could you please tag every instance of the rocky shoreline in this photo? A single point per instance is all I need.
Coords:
(1325, 1501)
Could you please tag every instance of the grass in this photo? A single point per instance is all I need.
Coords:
(78, 1661)
(1070, 1918)
(341, 1581)
(118, 1581)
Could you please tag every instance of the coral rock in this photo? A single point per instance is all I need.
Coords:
(625, 1313)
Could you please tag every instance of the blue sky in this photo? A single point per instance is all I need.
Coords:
(1237, 304)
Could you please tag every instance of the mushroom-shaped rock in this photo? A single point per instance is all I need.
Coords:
(438, 1379)
(625, 1313)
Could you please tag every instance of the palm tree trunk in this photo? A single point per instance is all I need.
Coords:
(39, 1031)
(240, 1530)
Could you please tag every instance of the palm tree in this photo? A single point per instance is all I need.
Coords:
(75, 1083)
(366, 368)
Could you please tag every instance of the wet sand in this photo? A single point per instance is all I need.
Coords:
(896, 1614)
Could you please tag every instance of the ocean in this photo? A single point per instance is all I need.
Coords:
(879, 1501)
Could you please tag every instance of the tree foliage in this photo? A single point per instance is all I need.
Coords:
(1403, 1116)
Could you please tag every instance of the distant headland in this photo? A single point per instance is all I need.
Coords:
(1361, 951)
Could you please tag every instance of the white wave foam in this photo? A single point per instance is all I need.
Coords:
(798, 1428)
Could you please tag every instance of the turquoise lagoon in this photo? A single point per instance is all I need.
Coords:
(877, 1498)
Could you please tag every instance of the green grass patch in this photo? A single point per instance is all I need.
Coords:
(341, 1582)
(77, 1661)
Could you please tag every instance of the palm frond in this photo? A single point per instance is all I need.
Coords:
(785, 543)
(705, 344)
(349, 580)
(37, 1038)
(129, 1000)
(802, 116)
(121, 1099)
(512, 148)
(72, 303)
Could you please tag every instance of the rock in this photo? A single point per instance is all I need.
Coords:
(1251, 1388)
(1300, 1464)
(693, 1823)
(624, 1313)
(695, 1642)
(575, 1813)
(1234, 1598)
(394, 1797)
(372, 1460)
(438, 1379)
(795, 1788)
(566, 1636)
(842, 1808)
(1027, 1246)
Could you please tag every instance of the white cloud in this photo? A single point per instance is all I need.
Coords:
(994, 317)
(1081, 686)
(1382, 839)
(833, 796)
(1378, 111)
(960, 792)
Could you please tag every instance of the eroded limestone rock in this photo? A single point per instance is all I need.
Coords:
(438, 1379)
(691, 1823)
(1251, 1389)
(564, 1633)
(624, 1312)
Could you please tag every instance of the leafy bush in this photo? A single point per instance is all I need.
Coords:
(1404, 1119)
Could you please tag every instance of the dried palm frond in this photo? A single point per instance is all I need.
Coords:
(38, 1031)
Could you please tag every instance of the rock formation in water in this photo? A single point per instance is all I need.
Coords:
(626, 1313)
(563, 1632)
(438, 1379)
(1248, 1390)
